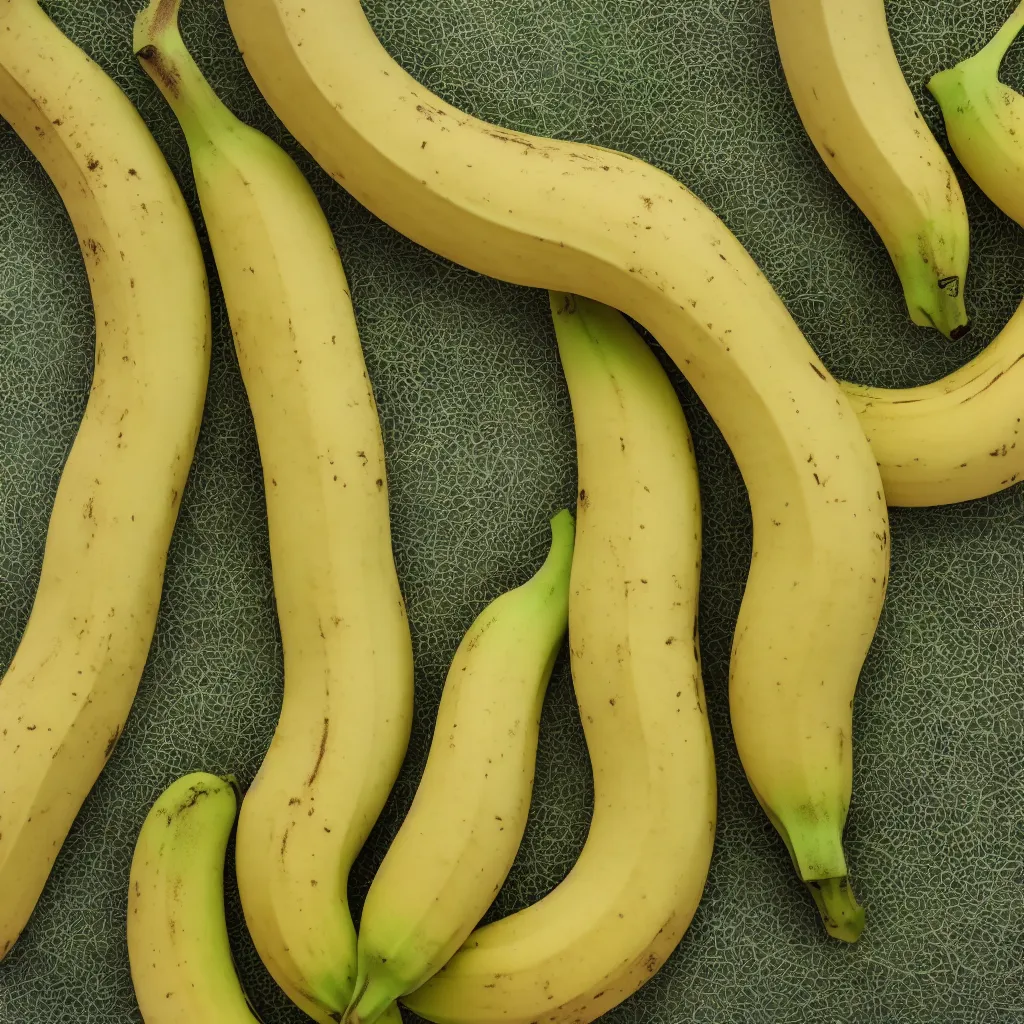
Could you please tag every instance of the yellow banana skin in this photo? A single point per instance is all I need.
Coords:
(67, 693)
(623, 908)
(956, 439)
(581, 219)
(178, 948)
(985, 119)
(347, 709)
(461, 834)
(862, 118)
(959, 438)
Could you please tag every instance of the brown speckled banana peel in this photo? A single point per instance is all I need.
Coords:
(67, 693)
(581, 219)
(577, 218)
(181, 963)
(611, 923)
(347, 709)
(960, 438)
(862, 118)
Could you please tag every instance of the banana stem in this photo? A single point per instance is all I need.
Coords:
(558, 563)
(162, 52)
(992, 54)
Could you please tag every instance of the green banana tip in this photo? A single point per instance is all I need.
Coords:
(841, 914)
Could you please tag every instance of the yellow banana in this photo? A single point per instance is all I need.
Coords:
(578, 218)
(177, 936)
(461, 834)
(347, 708)
(67, 693)
(610, 924)
(985, 120)
(862, 118)
(960, 437)
(956, 439)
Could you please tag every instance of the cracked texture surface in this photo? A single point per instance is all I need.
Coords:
(480, 448)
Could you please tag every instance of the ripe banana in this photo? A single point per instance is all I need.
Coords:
(985, 120)
(955, 439)
(347, 709)
(177, 936)
(67, 693)
(578, 218)
(461, 834)
(959, 438)
(862, 118)
(611, 923)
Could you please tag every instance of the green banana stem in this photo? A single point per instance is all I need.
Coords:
(555, 570)
(985, 63)
(993, 53)
(162, 52)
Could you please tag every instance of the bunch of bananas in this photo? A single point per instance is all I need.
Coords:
(602, 232)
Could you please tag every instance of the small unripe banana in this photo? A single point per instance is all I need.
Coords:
(178, 949)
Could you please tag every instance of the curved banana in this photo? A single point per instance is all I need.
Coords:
(67, 693)
(611, 923)
(862, 118)
(959, 438)
(955, 439)
(347, 710)
(178, 948)
(985, 120)
(461, 834)
(578, 218)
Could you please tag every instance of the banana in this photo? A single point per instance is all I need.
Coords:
(67, 693)
(347, 710)
(577, 218)
(461, 834)
(178, 948)
(862, 118)
(985, 119)
(610, 924)
(959, 438)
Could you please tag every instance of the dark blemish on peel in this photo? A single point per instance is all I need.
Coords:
(320, 754)
(112, 742)
(167, 74)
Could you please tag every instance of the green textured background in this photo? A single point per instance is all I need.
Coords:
(480, 447)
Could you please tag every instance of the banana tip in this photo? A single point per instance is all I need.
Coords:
(841, 914)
